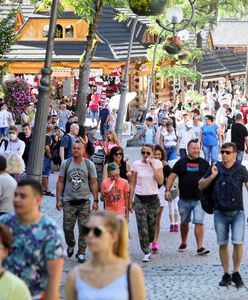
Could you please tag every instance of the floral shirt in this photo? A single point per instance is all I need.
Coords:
(33, 245)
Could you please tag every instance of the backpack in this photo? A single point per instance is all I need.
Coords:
(227, 192)
(55, 153)
(216, 104)
(230, 121)
(5, 144)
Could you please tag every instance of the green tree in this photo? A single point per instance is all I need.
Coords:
(7, 36)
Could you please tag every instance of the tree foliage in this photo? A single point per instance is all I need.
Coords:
(7, 35)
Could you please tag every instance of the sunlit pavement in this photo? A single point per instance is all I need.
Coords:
(170, 274)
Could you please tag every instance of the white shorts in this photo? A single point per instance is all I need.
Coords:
(161, 193)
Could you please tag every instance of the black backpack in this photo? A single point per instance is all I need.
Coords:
(55, 153)
(216, 104)
(230, 121)
(5, 144)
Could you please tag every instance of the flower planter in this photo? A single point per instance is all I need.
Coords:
(183, 56)
(172, 49)
(147, 7)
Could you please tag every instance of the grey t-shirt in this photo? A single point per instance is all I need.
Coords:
(7, 190)
(77, 185)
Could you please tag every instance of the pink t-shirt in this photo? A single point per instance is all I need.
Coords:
(146, 183)
(115, 199)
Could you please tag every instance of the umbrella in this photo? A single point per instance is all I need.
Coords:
(114, 102)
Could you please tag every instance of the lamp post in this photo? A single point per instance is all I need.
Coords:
(124, 86)
(35, 163)
(174, 16)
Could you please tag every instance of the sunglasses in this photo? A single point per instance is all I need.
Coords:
(147, 153)
(226, 151)
(97, 231)
(118, 154)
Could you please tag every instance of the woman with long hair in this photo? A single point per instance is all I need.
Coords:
(146, 175)
(109, 274)
(111, 141)
(116, 155)
(16, 167)
(159, 154)
(83, 138)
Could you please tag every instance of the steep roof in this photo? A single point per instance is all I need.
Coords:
(26, 10)
(230, 32)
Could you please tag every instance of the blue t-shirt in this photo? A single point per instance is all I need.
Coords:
(209, 135)
(33, 245)
(67, 142)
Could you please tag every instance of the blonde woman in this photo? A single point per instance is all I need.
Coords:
(109, 274)
(111, 141)
(16, 167)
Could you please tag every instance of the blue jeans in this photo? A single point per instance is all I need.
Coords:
(3, 131)
(240, 155)
(94, 115)
(171, 153)
(224, 222)
(47, 167)
(211, 152)
(187, 207)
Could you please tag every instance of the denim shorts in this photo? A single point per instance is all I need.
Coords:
(223, 224)
(47, 167)
(186, 207)
(4, 131)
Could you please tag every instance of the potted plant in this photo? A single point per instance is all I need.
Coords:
(173, 45)
(147, 7)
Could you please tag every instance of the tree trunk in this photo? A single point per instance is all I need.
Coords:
(198, 64)
(246, 73)
(84, 69)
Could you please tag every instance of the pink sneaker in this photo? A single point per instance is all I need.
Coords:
(175, 228)
(172, 228)
(154, 246)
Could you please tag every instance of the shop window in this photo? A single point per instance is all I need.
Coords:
(59, 32)
(45, 30)
(69, 31)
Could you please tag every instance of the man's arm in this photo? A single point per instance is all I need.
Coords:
(54, 271)
(62, 153)
(59, 190)
(205, 182)
(246, 144)
(70, 289)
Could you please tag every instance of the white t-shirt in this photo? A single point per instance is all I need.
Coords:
(5, 118)
(170, 139)
(185, 136)
(196, 131)
(146, 183)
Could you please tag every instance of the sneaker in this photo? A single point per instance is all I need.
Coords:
(202, 251)
(226, 280)
(70, 251)
(147, 257)
(172, 228)
(81, 258)
(155, 246)
(175, 228)
(236, 278)
(182, 248)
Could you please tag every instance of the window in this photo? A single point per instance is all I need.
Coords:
(45, 30)
(69, 31)
(58, 32)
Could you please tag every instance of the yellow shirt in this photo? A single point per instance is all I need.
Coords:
(13, 288)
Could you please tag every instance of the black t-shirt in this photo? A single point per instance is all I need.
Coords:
(238, 134)
(27, 141)
(189, 173)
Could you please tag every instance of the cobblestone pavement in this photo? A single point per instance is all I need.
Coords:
(170, 274)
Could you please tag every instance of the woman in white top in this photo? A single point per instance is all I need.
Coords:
(109, 274)
(146, 174)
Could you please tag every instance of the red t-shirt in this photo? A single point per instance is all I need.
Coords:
(115, 198)
(244, 110)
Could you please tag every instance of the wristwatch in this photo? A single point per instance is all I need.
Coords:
(96, 201)
(167, 191)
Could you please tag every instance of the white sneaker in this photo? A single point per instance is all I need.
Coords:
(81, 258)
(147, 257)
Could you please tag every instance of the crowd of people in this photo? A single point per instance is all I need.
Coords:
(186, 148)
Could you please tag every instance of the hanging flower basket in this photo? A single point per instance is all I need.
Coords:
(173, 45)
(147, 7)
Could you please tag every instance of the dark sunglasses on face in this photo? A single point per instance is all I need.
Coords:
(226, 151)
(118, 154)
(97, 231)
(144, 152)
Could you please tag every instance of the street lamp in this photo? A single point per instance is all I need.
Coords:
(174, 16)
(140, 8)
(35, 162)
